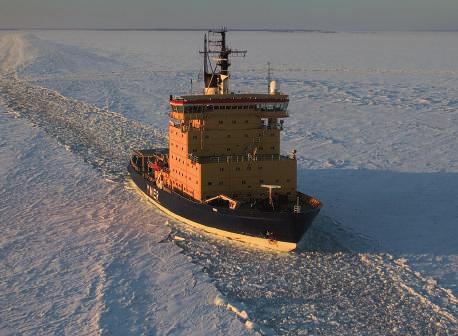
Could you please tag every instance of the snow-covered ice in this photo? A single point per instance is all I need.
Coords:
(374, 118)
(79, 255)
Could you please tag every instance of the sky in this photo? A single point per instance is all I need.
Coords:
(338, 15)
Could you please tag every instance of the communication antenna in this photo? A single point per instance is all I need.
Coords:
(269, 76)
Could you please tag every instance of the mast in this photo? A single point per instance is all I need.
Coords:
(216, 76)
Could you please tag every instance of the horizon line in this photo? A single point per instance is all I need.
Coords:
(235, 29)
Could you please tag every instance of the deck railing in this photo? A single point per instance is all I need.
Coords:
(238, 158)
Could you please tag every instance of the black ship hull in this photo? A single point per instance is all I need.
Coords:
(272, 230)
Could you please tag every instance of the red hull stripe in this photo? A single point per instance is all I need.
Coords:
(226, 101)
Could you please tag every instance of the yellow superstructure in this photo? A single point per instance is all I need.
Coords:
(229, 144)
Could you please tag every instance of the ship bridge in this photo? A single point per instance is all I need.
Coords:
(263, 105)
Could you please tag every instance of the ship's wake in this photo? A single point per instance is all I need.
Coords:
(102, 138)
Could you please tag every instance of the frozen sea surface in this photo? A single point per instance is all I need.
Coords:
(374, 117)
(80, 255)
